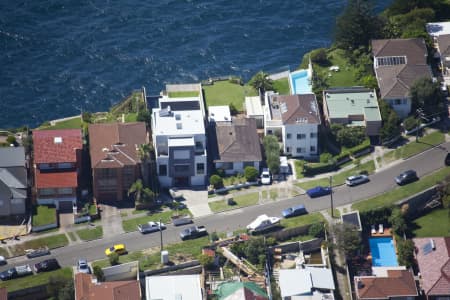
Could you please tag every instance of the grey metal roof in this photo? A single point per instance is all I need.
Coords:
(12, 156)
(10, 178)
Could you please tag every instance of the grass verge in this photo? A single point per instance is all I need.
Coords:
(54, 241)
(72, 236)
(241, 201)
(303, 220)
(91, 233)
(35, 280)
(131, 224)
(340, 177)
(426, 225)
(402, 192)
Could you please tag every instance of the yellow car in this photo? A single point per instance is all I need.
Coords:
(119, 249)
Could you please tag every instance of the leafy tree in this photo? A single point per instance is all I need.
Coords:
(369, 81)
(410, 123)
(144, 153)
(233, 110)
(27, 143)
(319, 56)
(444, 192)
(86, 117)
(206, 261)
(144, 116)
(426, 94)
(98, 272)
(397, 221)
(216, 181)
(272, 152)
(11, 140)
(250, 173)
(348, 239)
(440, 7)
(316, 230)
(137, 189)
(396, 26)
(348, 136)
(357, 25)
(390, 128)
(405, 253)
(261, 82)
(113, 259)
(67, 292)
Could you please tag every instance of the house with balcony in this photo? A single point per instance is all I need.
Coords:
(235, 145)
(56, 167)
(355, 106)
(179, 140)
(13, 181)
(295, 120)
(398, 63)
(115, 160)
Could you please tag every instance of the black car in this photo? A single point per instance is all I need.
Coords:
(447, 159)
(8, 274)
(46, 265)
(406, 177)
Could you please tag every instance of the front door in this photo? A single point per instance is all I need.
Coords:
(181, 181)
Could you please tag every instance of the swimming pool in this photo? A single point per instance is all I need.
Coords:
(300, 82)
(383, 252)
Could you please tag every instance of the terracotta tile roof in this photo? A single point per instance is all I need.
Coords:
(298, 107)
(434, 265)
(85, 289)
(3, 293)
(398, 283)
(236, 141)
(52, 146)
(56, 179)
(114, 145)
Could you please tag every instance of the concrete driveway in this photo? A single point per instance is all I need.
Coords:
(197, 202)
(111, 220)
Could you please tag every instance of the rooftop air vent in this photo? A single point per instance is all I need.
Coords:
(179, 126)
(178, 117)
(105, 149)
(57, 140)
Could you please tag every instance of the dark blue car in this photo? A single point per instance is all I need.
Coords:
(318, 191)
(297, 210)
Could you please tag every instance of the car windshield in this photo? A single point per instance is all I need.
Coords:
(265, 175)
(112, 249)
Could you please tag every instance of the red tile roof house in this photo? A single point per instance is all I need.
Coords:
(433, 258)
(398, 284)
(57, 163)
(397, 64)
(115, 160)
(87, 288)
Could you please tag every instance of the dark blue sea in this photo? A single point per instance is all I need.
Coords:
(59, 57)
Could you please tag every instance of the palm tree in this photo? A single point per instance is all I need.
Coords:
(143, 152)
(261, 82)
(137, 188)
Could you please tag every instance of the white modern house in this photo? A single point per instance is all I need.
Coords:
(295, 120)
(179, 140)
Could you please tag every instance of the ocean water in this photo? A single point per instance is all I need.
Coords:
(62, 56)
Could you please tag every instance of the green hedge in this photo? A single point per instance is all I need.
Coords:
(317, 168)
(355, 150)
(342, 158)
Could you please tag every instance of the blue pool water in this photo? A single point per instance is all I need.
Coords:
(383, 252)
(300, 82)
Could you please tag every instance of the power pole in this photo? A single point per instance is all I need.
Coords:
(331, 196)
(420, 115)
(160, 234)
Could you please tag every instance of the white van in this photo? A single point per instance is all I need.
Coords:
(284, 166)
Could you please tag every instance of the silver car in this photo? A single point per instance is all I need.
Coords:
(83, 266)
(356, 179)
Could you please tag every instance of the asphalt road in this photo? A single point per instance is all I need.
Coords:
(424, 163)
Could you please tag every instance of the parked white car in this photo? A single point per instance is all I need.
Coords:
(356, 179)
(266, 177)
(262, 223)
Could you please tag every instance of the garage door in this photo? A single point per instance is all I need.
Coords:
(65, 206)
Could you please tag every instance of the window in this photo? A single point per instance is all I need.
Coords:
(312, 149)
(162, 170)
(227, 166)
(288, 136)
(65, 191)
(301, 136)
(300, 150)
(46, 192)
(313, 135)
(269, 131)
(200, 169)
(288, 149)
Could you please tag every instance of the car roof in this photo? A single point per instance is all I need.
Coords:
(300, 206)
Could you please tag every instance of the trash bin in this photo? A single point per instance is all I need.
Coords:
(165, 257)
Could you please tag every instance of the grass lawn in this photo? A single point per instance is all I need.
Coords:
(346, 76)
(412, 148)
(44, 215)
(230, 180)
(72, 236)
(303, 220)
(241, 201)
(35, 280)
(91, 233)
(131, 224)
(402, 192)
(183, 251)
(54, 241)
(74, 123)
(131, 117)
(282, 86)
(427, 225)
(273, 194)
(224, 93)
(340, 177)
(298, 164)
(184, 94)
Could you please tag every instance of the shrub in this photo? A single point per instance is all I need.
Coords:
(216, 181)
(351, 136)
(325, 157)
(410, 123)
(356, 151)
(250, 173)
(233, 109)
(98, 272)
(206, 261)
(319, 56)
(316, 230)
(11, 140)
(113, 259)
(313, 169)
